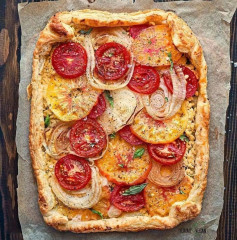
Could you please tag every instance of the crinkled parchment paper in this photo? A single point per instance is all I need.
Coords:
(210, 22)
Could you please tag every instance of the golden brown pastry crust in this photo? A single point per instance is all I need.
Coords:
(59, 29)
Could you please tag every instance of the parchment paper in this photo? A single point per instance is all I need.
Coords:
(210, 22)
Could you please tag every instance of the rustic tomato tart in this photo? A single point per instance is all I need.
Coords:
(119, 121)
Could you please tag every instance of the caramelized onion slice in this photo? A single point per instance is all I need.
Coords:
(82, 199)
(59, 143)
(166, 175)
(101, 37)
(114, 212)
(162, 105)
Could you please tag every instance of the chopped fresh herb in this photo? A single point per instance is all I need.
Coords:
(111, 188)
(139, 152)
(166, 99)
(184, 138)
(92, 144)
(121, 165)
(112, 135)
(47, 121)
(134, 189)
(149, 42)
(86, 32)
(181, 192)
(97, 212)
(109, 98)
(111, 54)
(149, 58)
(169, 54)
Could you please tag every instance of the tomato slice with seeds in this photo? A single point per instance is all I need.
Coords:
(99, 108)
(87, 138)
(145, 80)
(169, 153)
(112, 61)
(128, 203)
(129, 137)
(69, 60)
(192, 81)
(135, 30)
(72, 172)
(119, 166)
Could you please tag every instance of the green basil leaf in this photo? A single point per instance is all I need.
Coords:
(169, 54)
(139, 152)
(121, 165)
(184, 138)
(181, 192)
(98, 213)
(109, 98)
(134, 189)
(112, 135)
(166, 99)
(47, 121)
(86, 32)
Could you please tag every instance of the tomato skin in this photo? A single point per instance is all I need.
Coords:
(192, 81)
(79, 179)
(173, 154)
(145, 80)
(135, 30)
(119, 166)
(129, 137)
(87, 138)
(129, 203)
(112, 61)
(69, 60)
(99, 108)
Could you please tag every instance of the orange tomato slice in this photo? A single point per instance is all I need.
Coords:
(152, 131)
(154, 45)
(159, 199)
(119, 166)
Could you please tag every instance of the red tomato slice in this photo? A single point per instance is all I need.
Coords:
(112, 61)
(169, 153)
(87, 138)
(135, 30)
(145, 80)
(69, 60)
(99, 108)
(192, 81)
(129, 203)
(72, 172)
(129, 137)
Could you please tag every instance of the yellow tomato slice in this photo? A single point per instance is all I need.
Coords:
(152, 131)
(159, 199)
(119, 166)
(70, 99)
(154, 47)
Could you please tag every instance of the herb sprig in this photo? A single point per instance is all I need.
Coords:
(47, 121)
(86, 32)
(109, 98)
(169, 54)
(134, 189)
(97, 212)
(139, 152)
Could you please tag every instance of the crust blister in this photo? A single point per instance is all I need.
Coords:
(60, 29)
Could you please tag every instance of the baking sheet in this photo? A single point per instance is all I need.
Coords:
(210, 22)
